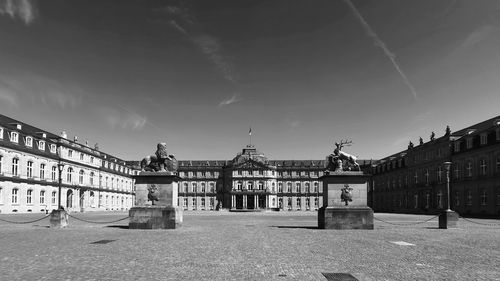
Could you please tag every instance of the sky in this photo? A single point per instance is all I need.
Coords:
(197, 75)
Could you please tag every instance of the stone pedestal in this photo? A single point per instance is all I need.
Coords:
(161, 214)
(155, 217)
(335, 214)
(448, 219)
(59, 219)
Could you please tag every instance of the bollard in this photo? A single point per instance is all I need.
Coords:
(59, 219)
(448, 219)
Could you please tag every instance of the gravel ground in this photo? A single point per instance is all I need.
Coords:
(248, 246)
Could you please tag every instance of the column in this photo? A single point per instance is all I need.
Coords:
(244, 201)
(255, 202)
(233, 201)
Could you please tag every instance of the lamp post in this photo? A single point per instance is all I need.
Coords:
(447, 166)
(448, 218)
(60, 166)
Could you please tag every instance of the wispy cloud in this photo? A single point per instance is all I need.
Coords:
(232, 99)
(23, 9)
(39, 90)
(182, 20)
(476, 36)
(379, 43)
(124, 119)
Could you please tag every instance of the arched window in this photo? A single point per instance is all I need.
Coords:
(308, 187)
(280, 187)
(203, 185)
(80, 177)
(91, 178)
(239, 185)
(212, 187)
(273, 187)
(261, 185)
(195, 187)
(316, 186)
(186, 187)
(289, 187)
(250, 185)
(484, 167)
(29, 169)
(298, 203)
(297, 187)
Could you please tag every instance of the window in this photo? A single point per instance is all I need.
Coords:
(42, 171)
(439, 198)
(1, 157)
(81, 156)
(308, 187)
(212, 187)
(288, 187)
(415, 201)
(239, 185)
(250, 173)
(1, 196)
(297, 187)
(42, 197)
(289, 173)
(106, 182)
(69, 175)
(14, 137)
(203, 185)
(308, 203)
(186, 187)
(468, 143)
(469, 169)
(316, 186)
(456, 146)
(194, 202)
(439, 173)
(250, 185)
(316, 202)
(80, 177)
(53, 148)
(457, 199)
(194, 187)
(273, 187)
(54, 195)
(92, 159)
(280, 202)
(498, 163)
(203, 174)
(203, 202)
(41, 145)
(484, 197)
(427, 200)
(280, 187)
(498, 134)
(484, 167)
(289, 203)
(91, 178)
(239, 173)
(457, 171)
(53, 173)
(185, 202)
(14, 196)
(29, 141)
(469, 197)
(29, 195)
(484, 139)
(70, 153)
(15, 166)
(29, 169)
(426, 176)
(416, 177)
(298, 203)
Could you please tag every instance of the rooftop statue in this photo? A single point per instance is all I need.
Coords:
(339, 161)
(160, 162)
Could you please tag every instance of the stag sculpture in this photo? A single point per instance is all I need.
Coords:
(340, 161)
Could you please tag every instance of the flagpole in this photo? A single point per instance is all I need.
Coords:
(250, 135)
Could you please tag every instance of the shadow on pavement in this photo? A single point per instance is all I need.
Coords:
(295, 226)
(118, 226)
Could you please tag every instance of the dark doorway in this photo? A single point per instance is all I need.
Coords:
(69, 199)
(250, 202)
(239, 201)
(262, 201)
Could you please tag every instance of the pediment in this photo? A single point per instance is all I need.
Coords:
(251, 164)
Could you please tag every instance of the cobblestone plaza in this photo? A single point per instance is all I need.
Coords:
(248, 246)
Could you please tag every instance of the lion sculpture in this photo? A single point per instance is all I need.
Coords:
(160, 162)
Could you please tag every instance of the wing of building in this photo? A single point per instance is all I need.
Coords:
(415, 180)
(35, 165)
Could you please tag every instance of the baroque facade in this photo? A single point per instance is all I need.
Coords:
(414, 180)
(251, 182)
(34, 163)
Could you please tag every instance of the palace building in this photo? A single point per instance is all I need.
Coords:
(34, 164)
(414, 180)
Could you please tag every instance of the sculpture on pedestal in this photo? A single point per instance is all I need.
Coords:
(161, 161)
(346, 195)
(339, 161)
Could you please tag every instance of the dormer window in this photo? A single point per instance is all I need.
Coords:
(53, 148)
(41, 145)
(29, 141)
(70, 153)
(469, 143)
(1, 133)
(484, 138)
(14, 137)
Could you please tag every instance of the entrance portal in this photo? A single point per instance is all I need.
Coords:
(262, 201)
(69, 199)
(250, 202)
(239, 201)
